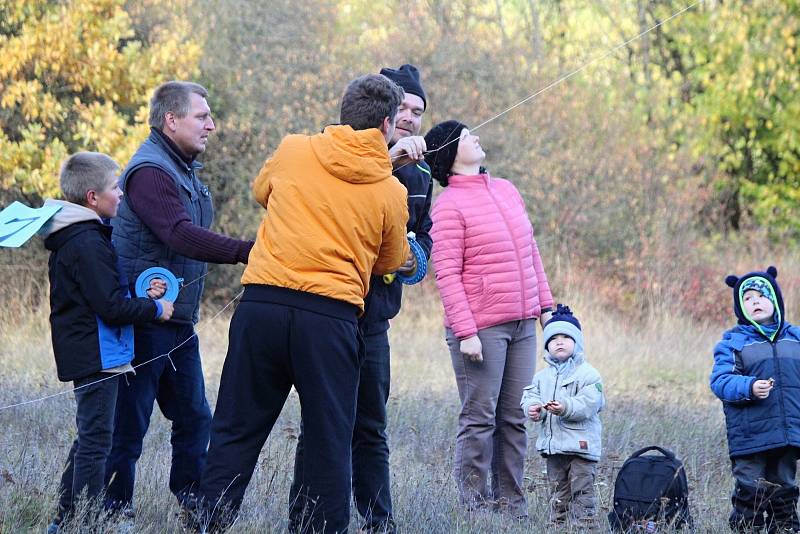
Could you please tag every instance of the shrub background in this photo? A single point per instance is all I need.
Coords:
(649, 176)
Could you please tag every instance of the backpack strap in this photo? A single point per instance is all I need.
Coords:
(665, 452)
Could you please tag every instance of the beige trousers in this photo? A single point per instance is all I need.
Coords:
(491, 425)
(572, 479)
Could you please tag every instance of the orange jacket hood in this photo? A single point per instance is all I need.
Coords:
(355, 156)
(334, 215)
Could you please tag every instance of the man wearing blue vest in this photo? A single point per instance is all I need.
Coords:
(163, 221)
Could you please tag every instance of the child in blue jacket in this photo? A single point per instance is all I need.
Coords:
(756, 374)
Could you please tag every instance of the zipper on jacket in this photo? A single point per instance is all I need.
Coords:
(514, 245)
(550, 416)
(196, 187)
(780, 390)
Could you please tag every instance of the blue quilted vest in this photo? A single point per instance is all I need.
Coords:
(139, 249)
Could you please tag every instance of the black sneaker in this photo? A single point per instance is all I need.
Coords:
(385, 527)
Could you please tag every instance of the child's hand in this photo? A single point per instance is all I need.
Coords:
(166, 310)
(555, 408)
(535, 412)
(157, 288)
(761, 388)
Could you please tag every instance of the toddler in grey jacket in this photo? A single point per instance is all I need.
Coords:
(565, 399)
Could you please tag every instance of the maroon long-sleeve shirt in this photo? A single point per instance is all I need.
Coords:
(153, 195)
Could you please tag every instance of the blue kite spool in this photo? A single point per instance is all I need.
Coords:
(148, 275)
(422, 264)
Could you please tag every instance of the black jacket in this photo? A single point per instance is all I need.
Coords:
(383, 300)
(90, 309)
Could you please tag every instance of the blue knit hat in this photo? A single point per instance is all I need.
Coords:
(563, 322)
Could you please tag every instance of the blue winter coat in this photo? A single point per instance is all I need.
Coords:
(742, 357)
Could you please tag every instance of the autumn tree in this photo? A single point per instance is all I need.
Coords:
(76, 75)
(748, 106)
(729, 74)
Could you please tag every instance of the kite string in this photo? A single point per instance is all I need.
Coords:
(115, 375)
(562, 78)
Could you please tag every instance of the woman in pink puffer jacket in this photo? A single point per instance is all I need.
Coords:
(493, 288)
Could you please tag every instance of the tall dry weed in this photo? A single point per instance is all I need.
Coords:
(655, 368)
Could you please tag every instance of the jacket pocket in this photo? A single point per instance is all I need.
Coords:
(573, 425)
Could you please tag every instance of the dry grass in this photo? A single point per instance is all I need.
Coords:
(655, 372)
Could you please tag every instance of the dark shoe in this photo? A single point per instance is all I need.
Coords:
(195, 517)
(122, 512)
(782, 510)
(747, 514)
(54, 527)
(191, 515)
(385, 527)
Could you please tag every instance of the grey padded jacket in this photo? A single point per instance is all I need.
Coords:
(578, 386)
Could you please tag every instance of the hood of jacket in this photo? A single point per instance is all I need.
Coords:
(354, 156)
(68, 215)
(767, 278)
(69, 221)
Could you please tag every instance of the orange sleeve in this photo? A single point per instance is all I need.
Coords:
(262, 185)
(394, 246)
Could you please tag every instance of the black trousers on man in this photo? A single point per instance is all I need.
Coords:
(278, 338)
(370, 449)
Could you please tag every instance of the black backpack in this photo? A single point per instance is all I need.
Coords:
(650, 492)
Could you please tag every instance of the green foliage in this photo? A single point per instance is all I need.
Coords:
(693, 126)
(747, 100)
(734, 75)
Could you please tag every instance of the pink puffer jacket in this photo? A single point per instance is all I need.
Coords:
(488, 267)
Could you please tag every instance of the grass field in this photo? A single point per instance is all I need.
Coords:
(655, 372)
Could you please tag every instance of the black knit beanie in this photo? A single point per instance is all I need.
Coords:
(407, 77)
(442, 145)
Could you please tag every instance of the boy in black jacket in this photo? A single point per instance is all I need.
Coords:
(91, 314)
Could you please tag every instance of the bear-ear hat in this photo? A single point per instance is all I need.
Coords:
(771, 275)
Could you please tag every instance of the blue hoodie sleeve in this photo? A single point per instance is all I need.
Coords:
(727, 381)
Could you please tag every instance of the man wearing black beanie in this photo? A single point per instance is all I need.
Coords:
(371, 489)
(370, 449)
(407, 147)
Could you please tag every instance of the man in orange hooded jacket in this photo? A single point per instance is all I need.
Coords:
(335, 215)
